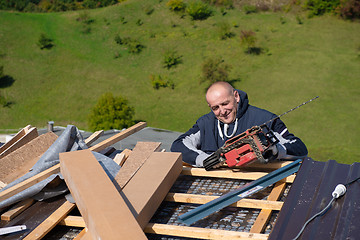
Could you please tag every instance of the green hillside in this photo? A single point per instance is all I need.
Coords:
(320, 56)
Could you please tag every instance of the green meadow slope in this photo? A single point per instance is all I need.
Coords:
(321, 57)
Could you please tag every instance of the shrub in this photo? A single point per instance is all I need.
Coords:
(198, 10)
(171, 59)
(349, 9)
(229, 4)
(176, 5)
(111, 113)
(1, 72)
(133, 45)
(248, 41)
(158, 81)
(225, 31)
(250, 9)
(319, 7)
(214, 70)
(45, 42)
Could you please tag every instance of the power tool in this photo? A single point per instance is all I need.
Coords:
(252, 145)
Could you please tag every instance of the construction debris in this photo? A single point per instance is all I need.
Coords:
(63, 181)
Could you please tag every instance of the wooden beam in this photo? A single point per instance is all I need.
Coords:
(104, 211)
(120, 158)
(137, 158)
(17, 209)
(93, 137)
(49, 223)
(28, 182)
(24, 136)
(265, 214)
(201, 233)
(181, 231)
(83, 235)
(148, 188)
(116, 138)
(228, 173)
(2, 185)
(244, 203)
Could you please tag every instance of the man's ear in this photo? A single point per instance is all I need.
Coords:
(236, 95)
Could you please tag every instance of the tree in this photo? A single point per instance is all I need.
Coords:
(111, 113)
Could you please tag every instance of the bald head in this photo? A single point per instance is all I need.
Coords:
(223, 100)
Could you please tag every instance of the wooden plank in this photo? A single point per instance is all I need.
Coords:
(122, 157)
(17, 209)
(265, 214)
(116, 138)
(136, 159)
(104, 211)
(22, 137)
(228, 173)
(28, 182)
(201, 233)
(93, 137)
(148, 188)
(2, 185)
(49, 223)
(244, 203)
(83, 235)
(20, 161)
(180, 231)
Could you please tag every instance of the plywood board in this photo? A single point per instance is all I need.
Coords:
(22, 137)
(136, 159)
(20, 161)
(148, 188)
(104, 211)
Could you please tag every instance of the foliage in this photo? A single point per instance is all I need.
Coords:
(319, 7)
(53, 5)
(250, 9)
(133, 45)
(225, 30)
(171, 59)
(214, 69)
(1, 72)
(176, 5)
(111, 113)
(248, 41)
(45, 42)
(158, 81)
(349, 9)
(198, 10)
(221, 3)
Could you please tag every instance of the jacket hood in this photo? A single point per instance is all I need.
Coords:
(243, 104)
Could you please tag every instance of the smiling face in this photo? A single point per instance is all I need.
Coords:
(223, 101)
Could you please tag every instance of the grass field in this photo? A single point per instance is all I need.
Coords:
(321, 57)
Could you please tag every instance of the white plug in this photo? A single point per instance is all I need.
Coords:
(339, 191)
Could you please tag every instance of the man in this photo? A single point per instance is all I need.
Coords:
(231, 114)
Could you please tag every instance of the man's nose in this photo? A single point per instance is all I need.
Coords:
(222, 110)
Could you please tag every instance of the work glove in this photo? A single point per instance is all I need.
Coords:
(276, 151)
(200, 159)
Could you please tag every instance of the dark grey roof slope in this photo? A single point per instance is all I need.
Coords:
(310, 193)
(147, 134)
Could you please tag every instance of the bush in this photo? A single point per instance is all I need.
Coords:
(349, 9)
(158, 81)
(214, 70)
(176, 5)
(171, 59)
(229, 4)
(45, 42)
(225, 31)
(319, 7)
(248, 41)
(133, 45)
(250, 9)
(198, 10)
(111, 113)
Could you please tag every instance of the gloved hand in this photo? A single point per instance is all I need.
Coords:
(271, 153)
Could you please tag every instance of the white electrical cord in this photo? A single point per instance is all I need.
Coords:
(338, 192)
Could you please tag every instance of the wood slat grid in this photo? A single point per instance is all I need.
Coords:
(260, 207)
